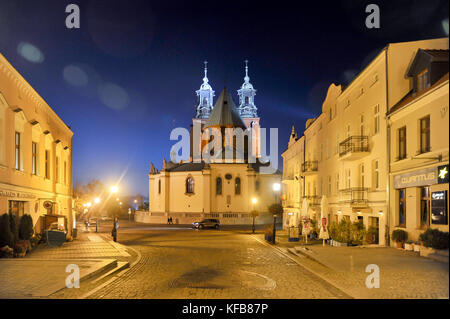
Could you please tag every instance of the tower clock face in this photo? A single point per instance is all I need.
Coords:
(228, 176)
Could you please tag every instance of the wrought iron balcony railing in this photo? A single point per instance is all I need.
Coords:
(310, 166)
(354, 195)
(354, 144)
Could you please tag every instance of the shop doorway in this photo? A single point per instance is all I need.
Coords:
(425, 207)
(374, 230)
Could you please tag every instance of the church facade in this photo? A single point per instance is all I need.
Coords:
(225, 188)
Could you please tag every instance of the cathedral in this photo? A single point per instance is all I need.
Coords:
(227, 188)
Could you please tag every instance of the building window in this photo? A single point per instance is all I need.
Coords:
(402, 207)
(337, 183)
(361, 125)
(425, 134)
(159, 186)
(17, 151)
(257, 186)
(34, 161)
(246, 100)
(424, 207)
(402, 143)
(422, 80)
(237, 186)
(376, 122)
(47, 164)
(65, 172)
(57, 169)
(330, 114)
(17, 208)
(218, 186)
(329, 186)
(336, 150)
(349, 179)
(189, 185)
(376, 174)
(362, 175)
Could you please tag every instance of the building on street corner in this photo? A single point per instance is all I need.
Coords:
(349, 152)
(35, 154)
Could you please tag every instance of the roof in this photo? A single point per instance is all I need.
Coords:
(224, 113)
(426, 56)
(185, 167)
(410, 97)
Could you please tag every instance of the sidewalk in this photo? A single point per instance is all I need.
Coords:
(403, 274)
(43, 271)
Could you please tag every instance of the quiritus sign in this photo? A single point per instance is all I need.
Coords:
(5, 193)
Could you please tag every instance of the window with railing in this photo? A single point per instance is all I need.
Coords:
(310, 166)
(354, 195)
(354, 144)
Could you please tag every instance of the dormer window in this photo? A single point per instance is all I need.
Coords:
(422, 80)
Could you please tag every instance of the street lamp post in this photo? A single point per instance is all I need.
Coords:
(254, 201)
(276, 188)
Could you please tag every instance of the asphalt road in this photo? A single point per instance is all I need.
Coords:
(180, 262)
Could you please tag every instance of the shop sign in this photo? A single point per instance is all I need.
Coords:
(443, 174)
(422, 177)
(5, 193)
(439, 208)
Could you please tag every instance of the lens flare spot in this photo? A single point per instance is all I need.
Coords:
(30, 53)
(445, 26)
(75, 76)
(113, 96)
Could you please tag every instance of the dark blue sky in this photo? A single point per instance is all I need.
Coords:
(128, 76)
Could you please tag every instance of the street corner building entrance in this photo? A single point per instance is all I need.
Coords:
(35, 155)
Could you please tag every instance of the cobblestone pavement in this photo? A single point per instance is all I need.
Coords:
(403, 275)
(184, 263)
(42, 273)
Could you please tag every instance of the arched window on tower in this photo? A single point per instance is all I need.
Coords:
(159, 186)
(237, 186)
(246, 100)
(189, 185)
(205, 101)
(218, 186)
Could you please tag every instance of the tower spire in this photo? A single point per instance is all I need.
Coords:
(205, 79)
(247, 108)
(205, 97)
(246, 78)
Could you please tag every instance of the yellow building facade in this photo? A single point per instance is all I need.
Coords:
(35, 154)
(343, 153)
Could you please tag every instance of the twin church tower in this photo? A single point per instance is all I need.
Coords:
(225, 114)
(246, 93)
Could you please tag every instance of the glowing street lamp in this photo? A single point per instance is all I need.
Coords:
(114, 189)
(96, 200)
(89, 204)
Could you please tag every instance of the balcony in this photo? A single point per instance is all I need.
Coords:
(287, 178)
(310, 167)
(354, 147)
(313, 200)
(355, 196)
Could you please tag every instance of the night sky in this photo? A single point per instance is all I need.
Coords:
(128, 76)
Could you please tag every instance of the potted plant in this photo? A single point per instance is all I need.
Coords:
(399, 236)
(409, 245)
(432, 240)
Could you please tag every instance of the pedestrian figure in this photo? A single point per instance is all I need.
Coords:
(168, 220)
(115, 227)
(86, 223)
